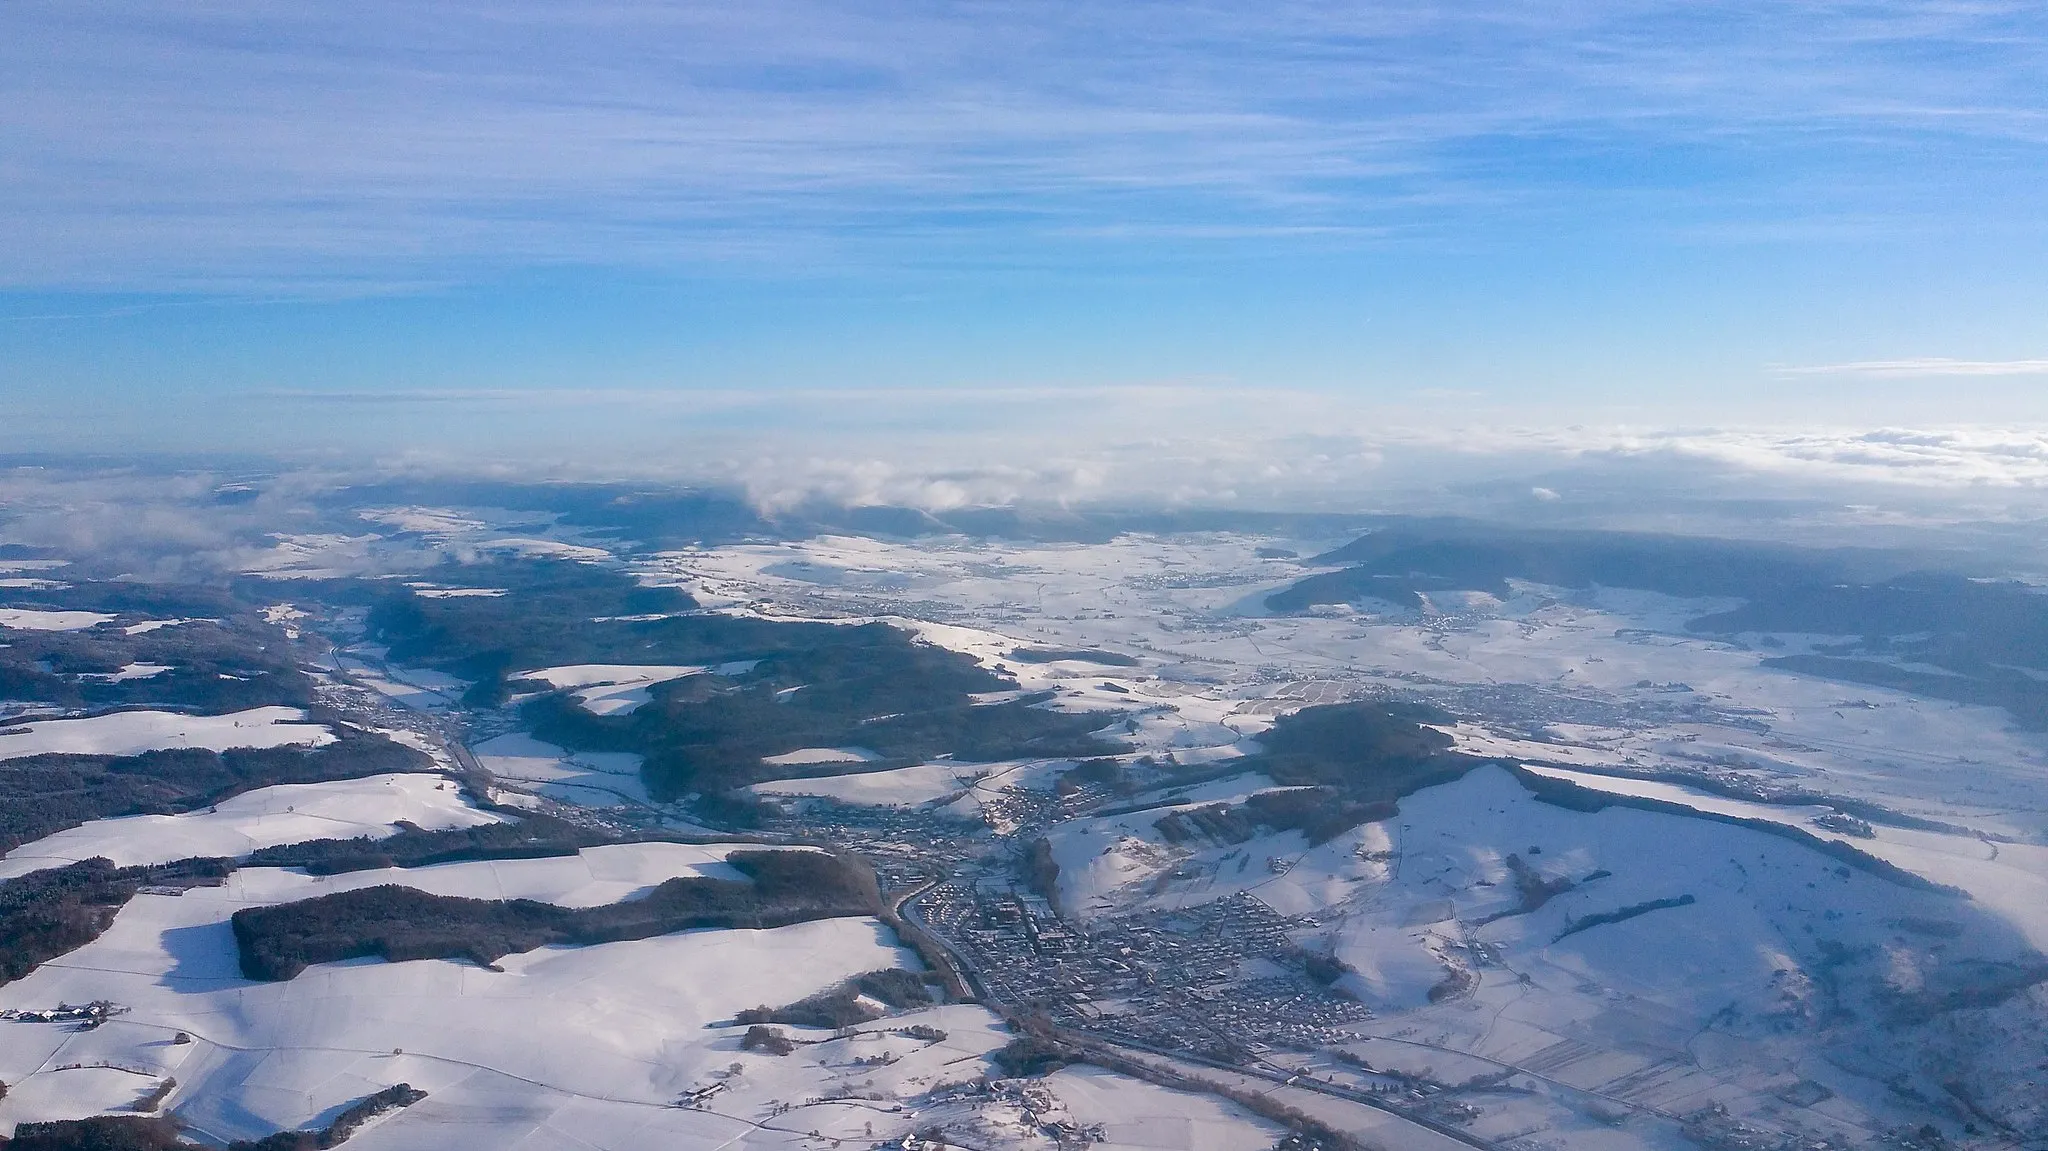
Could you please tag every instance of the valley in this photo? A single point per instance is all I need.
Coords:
(1521, 866)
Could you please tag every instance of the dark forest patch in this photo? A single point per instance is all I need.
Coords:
(534, 836)
(397, 923)
(810, 684)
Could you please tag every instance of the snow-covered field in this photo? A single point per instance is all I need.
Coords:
(127, 672)
(1606, 677)
(265, 817)
(31, 619)
(2010, 879)
(596, 778)
(1677, 961)
(610, 689)
(1134, 1114)
(134, 732)
(901, 787)
(805, 756)
(150, 625)
(586, 1047)
(1606, 680)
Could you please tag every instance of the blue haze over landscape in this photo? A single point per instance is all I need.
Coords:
(477, 228)
(1134, 576)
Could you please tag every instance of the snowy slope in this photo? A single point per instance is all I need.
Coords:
(265, 817)
(134, 732)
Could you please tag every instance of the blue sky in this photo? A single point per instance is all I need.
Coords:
(220, 217)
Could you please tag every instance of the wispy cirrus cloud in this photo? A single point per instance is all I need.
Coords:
(1917, 367)
(163, 144)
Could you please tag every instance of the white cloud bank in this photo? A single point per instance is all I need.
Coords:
(1922, 366)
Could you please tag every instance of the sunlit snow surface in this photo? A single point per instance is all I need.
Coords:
(595, 778)
(134, 732)
(1677, 1007)
(31, 619)
(1607, 676)
(1756, 970)
(265, 817)
(609, 689)
(568, 1046)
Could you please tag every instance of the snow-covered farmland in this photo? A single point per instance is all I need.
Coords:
(1134, 1114)
(33, 619)
(265, 817)
(900, 787)
(591, 1044)
(2008, 878)
(150, 625)
(594, 778)
(127, 672)
(134, 732)
(75, 1091)
(609, 689)
(807, 756)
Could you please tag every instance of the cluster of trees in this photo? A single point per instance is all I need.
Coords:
(142, 1133)
(1533, 887)
(1346, 764)
(44, 794)
(536, 836)
(99, 1133)
(363, 1110)
(761, 1037)
(398, 923)
(1620, 914)
(1097, 772)
(1084, 654)
(1367, 751)
(1029, 1055)
(841, 1006)
(53, 912)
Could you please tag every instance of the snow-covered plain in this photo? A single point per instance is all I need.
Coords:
(1607, 681)
(134, 732)
(32, 619)
(127, 672)
(805, 756)
(609, 689)
(587, 1047)
(1135, 1114)
(1607, 676)
(265, 817)
(900, 787)
(595, 778)
(150, 625)
(1692, 962)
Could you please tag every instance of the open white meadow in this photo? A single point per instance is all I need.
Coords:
(899, 787)
(1135, 1114)
(32, 619)
(610, 689)
(134, 732)
(592, 1043)
(594, 778)
(265, 817)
